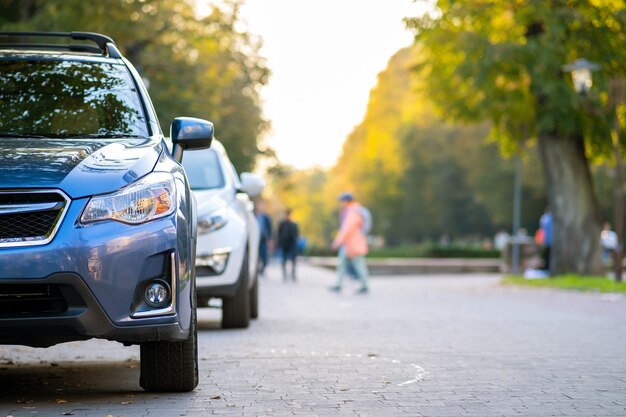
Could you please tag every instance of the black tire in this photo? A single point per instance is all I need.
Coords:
(236, 309)
(254, 299)
(171, 366)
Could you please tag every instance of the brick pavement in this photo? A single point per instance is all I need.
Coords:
(416, 346)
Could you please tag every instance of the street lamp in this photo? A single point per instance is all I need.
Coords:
(581, 71)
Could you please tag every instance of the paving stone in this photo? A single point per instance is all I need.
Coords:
(423, 346)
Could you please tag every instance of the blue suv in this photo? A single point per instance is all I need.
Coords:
(97, 221)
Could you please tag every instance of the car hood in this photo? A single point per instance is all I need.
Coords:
(209, 201)
(79, 167)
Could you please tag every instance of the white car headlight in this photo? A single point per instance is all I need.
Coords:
(149, 198)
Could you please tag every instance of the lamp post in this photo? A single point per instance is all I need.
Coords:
(582, 78)
(517, 211)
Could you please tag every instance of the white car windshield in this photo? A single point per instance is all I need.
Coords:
(203, 170)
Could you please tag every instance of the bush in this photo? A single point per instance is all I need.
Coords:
(417, 251)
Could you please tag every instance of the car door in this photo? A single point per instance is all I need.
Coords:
(245, 206)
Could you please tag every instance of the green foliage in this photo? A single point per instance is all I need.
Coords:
(417, 251)
(571, 282)
(203, 68)
(423, 177)
(501, 61)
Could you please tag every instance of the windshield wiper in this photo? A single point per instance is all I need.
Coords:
(22, 135)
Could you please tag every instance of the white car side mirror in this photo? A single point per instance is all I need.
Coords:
(251, 184)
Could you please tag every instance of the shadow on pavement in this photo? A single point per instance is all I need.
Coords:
(49, 383)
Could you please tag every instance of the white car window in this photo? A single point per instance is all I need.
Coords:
(203, 170)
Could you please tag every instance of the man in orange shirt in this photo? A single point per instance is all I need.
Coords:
(351, 243)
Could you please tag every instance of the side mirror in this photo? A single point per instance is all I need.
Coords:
(190, 133)
(251, 184)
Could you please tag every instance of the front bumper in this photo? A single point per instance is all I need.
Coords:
(230, 239)
(83, 319)
(101, 267)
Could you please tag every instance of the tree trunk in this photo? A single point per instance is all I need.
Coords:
(575, 214)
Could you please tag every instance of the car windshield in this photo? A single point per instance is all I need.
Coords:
(64, 98)
(203, 170)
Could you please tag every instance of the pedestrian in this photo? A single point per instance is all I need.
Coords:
(501, 239)
(265, 239)
(545, 223)
(351, 243)
(288, 244)
(608, 239)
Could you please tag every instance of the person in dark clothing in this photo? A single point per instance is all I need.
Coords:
(265, 226)
(287, 242)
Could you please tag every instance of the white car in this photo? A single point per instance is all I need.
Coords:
(227, 252)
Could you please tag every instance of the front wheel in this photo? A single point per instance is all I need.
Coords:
(171, 366)
(254, 299)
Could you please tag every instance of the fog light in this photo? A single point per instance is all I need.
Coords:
(216, 261)
(157, 294)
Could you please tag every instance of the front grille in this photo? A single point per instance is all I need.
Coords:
(24, 299)
(27, 225)
(30, 217)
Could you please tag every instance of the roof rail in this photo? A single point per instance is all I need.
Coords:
(106, 45)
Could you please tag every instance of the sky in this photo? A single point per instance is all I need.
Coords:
(324, 56)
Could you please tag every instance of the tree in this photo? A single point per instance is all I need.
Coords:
(424, 177)
(500, 60)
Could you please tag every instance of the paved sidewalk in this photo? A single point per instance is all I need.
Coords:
(444, 346)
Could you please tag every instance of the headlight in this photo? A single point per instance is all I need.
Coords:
(151, 197)
(214, 222)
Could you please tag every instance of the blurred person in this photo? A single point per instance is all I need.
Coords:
(351, 243)
(608, 239)
(265, 241)
(301, 245)
(288, 234)
(545, 223)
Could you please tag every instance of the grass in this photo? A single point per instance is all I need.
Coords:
(571, 282)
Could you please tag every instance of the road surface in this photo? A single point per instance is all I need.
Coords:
(454, 345)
